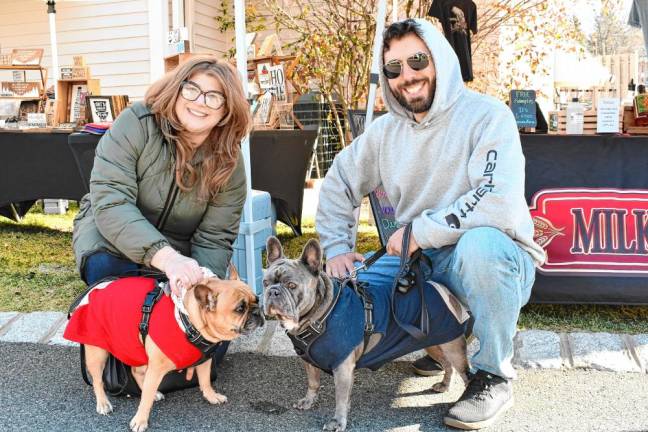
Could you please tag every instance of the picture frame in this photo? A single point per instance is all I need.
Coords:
(99, 109)
(26, 57)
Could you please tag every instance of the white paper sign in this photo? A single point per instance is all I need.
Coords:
(37, 120)
(607, 115)
(2, 123)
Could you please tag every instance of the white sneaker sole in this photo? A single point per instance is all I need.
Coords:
(453, 422)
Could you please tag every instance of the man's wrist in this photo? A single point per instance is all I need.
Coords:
(334, 251)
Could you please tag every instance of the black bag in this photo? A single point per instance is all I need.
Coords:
(118, 379)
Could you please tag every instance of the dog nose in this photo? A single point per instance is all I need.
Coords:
(273, 292)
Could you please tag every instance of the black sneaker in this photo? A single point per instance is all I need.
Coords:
(485, 398)
(427, 366)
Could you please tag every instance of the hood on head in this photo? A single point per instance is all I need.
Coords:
(449, 83)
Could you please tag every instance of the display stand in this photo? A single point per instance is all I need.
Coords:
(41, 92)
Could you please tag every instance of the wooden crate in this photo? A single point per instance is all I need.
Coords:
(629, 124)
(64, 96)
(589, 122)
(173, 61)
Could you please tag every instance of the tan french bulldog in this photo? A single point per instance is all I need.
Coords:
(298, 292)
(220, 310)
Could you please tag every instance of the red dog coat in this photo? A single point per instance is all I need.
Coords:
(109, 317)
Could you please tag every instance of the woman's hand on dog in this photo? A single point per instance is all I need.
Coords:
(182, 271)
(340, 266)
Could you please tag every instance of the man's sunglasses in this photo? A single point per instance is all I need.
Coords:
(417, 62)
(191, 91)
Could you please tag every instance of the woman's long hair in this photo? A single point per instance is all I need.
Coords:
(220, 151)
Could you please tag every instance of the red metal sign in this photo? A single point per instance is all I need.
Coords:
(592, 231)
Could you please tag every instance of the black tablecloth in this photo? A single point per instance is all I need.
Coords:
(34, 166)
(279, 163)
(575, 162)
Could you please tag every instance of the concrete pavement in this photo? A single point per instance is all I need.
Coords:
(534, 349)
(42, 390)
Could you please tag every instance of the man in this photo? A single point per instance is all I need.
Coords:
(451, 163)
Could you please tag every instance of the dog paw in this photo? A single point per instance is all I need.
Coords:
(138, 425)
(335, 425)
(104, 408)
(305, 403)
(440, 387)
(159, 396)
(214, 398)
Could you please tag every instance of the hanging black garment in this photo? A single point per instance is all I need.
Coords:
(459, 19)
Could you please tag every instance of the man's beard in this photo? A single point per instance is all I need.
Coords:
(418, 105)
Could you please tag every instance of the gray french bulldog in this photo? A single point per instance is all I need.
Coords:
(297, 292)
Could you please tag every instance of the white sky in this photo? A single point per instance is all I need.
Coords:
(584, 11)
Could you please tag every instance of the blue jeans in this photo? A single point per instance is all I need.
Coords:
(102, 264)
(492, 276)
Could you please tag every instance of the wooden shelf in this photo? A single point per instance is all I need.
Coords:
(22, 67)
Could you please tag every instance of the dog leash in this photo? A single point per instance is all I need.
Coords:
(368, 262)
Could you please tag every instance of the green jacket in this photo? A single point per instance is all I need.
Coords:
(135, 208)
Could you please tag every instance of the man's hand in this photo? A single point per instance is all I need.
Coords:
(341, 265)
(395, 243)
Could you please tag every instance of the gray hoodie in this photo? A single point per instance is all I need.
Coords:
(461, 167)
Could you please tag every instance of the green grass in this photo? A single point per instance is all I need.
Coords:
(37, 272)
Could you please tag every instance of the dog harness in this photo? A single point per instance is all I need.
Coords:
(113, 314)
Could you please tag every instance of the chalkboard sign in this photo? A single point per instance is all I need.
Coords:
(382, 209)
(523, 105)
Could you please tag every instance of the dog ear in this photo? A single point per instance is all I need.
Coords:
(312, 256)
(273, 249)
(206, 298)
(233, 273)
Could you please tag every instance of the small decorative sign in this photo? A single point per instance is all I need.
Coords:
(36, 120)
(74, 73)
(20, 89)
(264, 108)
(285, 113)
(278, 82)
(177, 35)
(18, 75)
(78, 61)
(607, 115)
(263, 75)
(77, 102)
(26, 57)
(100, 109)
(523, 105)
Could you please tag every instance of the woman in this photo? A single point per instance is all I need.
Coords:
(168, 183)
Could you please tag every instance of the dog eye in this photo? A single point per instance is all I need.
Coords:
(266, 283)
(240, 308)
(291, 285)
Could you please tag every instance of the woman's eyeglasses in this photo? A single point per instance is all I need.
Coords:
(191, 91)
(417, 62)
